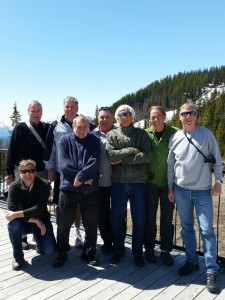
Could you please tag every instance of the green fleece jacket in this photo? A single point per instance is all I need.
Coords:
(157, 167)
(120, 146)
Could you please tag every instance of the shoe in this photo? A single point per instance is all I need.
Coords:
(90, 260)
(78, 241)
(167, 258)
(151, 257)
(115, 259)
(139, 261)
(17, 264)
(187, 268)
(25, 245)
(107, 248)
(60, 260)
(212, 283)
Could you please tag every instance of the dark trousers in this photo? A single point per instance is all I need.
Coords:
(89, 206)
(105, 226)
(154, 196)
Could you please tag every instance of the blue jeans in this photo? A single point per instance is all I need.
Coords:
(46, 243)
(201, 200)
(135, 192)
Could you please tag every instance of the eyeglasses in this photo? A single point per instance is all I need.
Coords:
(125, 114)
(188, 113)
(28, 171)
(103, 108)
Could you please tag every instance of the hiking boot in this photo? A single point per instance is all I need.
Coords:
(60, 260)
(116, 259)
(139, 261)
(17, 264)
(78, 241)
(188, 268)
(212, 284)
(167, 259)
(151, 257)
(25, 245)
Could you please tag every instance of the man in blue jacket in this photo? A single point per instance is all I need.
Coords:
(79, 162)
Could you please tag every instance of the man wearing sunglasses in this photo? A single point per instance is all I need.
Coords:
(27, 213)
(192, 152)
(128, 150)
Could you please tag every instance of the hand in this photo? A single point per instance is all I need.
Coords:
(217, 189)
(10, 216)
(51, 175)
(136, 151)
(77, 182)
(89, 182)
(171, 195)
(41, 226)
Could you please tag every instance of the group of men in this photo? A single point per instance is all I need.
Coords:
(97, 170)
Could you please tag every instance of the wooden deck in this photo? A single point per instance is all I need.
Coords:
(76, 280)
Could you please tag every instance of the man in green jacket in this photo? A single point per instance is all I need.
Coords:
(128, 150)
(157, 188)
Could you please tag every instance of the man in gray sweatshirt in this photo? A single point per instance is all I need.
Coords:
(192, 152)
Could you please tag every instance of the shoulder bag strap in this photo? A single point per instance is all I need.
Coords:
(36, 135)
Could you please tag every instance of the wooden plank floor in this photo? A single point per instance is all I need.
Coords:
(76, 280)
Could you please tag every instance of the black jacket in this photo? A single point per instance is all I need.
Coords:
(24, 145)
(32, 202)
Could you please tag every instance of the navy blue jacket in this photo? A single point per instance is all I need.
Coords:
(80, 159)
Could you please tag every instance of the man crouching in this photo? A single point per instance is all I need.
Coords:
(27, 213)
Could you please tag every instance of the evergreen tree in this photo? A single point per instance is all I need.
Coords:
(16, 116)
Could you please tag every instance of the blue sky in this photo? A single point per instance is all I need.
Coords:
(100, 50)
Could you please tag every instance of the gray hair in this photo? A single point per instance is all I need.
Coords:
(80, 117)
(70, 98)
(123, 107)
(189, 104)
(34, 102)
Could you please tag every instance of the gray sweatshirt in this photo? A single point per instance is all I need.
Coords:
(186, 166)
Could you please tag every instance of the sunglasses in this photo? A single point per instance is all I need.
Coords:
(125, 114)
(103, 108)
(188, 113)
(28, 171)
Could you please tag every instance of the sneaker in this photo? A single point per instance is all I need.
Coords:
(78, 241)
(212, 284)
(151, 257)
(17, 264)
(167, 258)
(188, 268)
(25, 245)
(139, 261)
(91, 260)
(116, 259)
(60, 260)
(107, 248)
